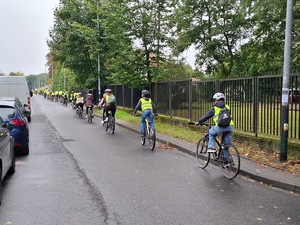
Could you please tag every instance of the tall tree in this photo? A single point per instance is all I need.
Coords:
(216, 28)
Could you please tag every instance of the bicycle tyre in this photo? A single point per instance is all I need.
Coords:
(151, 138)
(106, 124)
(79, 112)
(202, 156)
(112, 125)
(231, 169)
(90, 116)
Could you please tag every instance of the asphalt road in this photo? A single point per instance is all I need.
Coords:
(76, 173)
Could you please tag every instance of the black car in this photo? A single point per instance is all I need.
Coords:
(7, 153)
(12, 114)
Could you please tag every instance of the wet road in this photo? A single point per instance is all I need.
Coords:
(76, 173)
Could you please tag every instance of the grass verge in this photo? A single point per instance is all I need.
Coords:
(259, 155)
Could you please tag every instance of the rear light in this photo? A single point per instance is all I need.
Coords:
(28, 99)
(18, 122)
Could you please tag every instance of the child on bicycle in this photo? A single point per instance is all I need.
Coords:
(109, 103)
(79, 101)
(89, 102)
(148, 109)
(219, 103)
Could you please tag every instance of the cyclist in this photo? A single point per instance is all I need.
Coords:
(109, 102)
(148, 109)
(79, 101)
(89, 102)
(219, 103)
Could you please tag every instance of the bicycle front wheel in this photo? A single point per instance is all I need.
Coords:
(230, 164)
(202, 155)
(151, 138)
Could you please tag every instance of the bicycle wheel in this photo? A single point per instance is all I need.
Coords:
(230, 167)
(202, 155)
(90, 116)
(151, 138)
(106, 124)
(112, 125)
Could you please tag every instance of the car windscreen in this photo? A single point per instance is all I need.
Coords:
(7, 112)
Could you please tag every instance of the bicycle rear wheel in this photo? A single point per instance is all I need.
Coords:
(112, 125)
(231, 166)
(90, 119)
(202, 155)
(151, 138)
(106, 124)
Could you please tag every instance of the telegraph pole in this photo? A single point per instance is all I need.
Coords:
(286, 83)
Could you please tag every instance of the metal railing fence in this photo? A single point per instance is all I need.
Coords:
(255, 102)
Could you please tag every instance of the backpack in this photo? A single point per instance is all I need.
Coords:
(224, 117)
(111, 100)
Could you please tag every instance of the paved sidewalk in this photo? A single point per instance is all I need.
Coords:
(270, 176)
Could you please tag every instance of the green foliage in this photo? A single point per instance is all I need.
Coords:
(140, 41)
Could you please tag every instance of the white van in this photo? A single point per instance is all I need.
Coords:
(16, 86)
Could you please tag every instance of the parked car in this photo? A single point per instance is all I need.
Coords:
(23, 108)
(7, 153)
(16, 86)
(12, 114)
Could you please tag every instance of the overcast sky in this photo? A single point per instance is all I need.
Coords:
(24, 30)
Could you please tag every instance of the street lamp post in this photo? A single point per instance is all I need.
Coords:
(286, 82)
(99, 81)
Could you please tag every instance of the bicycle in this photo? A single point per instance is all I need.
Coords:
(79, 112)
(89, 115)
(231, 167)
(110, 124)
(149, 135)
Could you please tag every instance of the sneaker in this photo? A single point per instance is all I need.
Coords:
(86, 116)
(106, 119)
(211, 150)
(102, 122)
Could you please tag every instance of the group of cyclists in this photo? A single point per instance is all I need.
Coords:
(77, 99)
(145, 104)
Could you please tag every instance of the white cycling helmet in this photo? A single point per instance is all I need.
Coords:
(218, 96)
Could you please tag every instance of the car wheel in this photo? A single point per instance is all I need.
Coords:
(25, 149)
(12, 168)
(29, 119)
